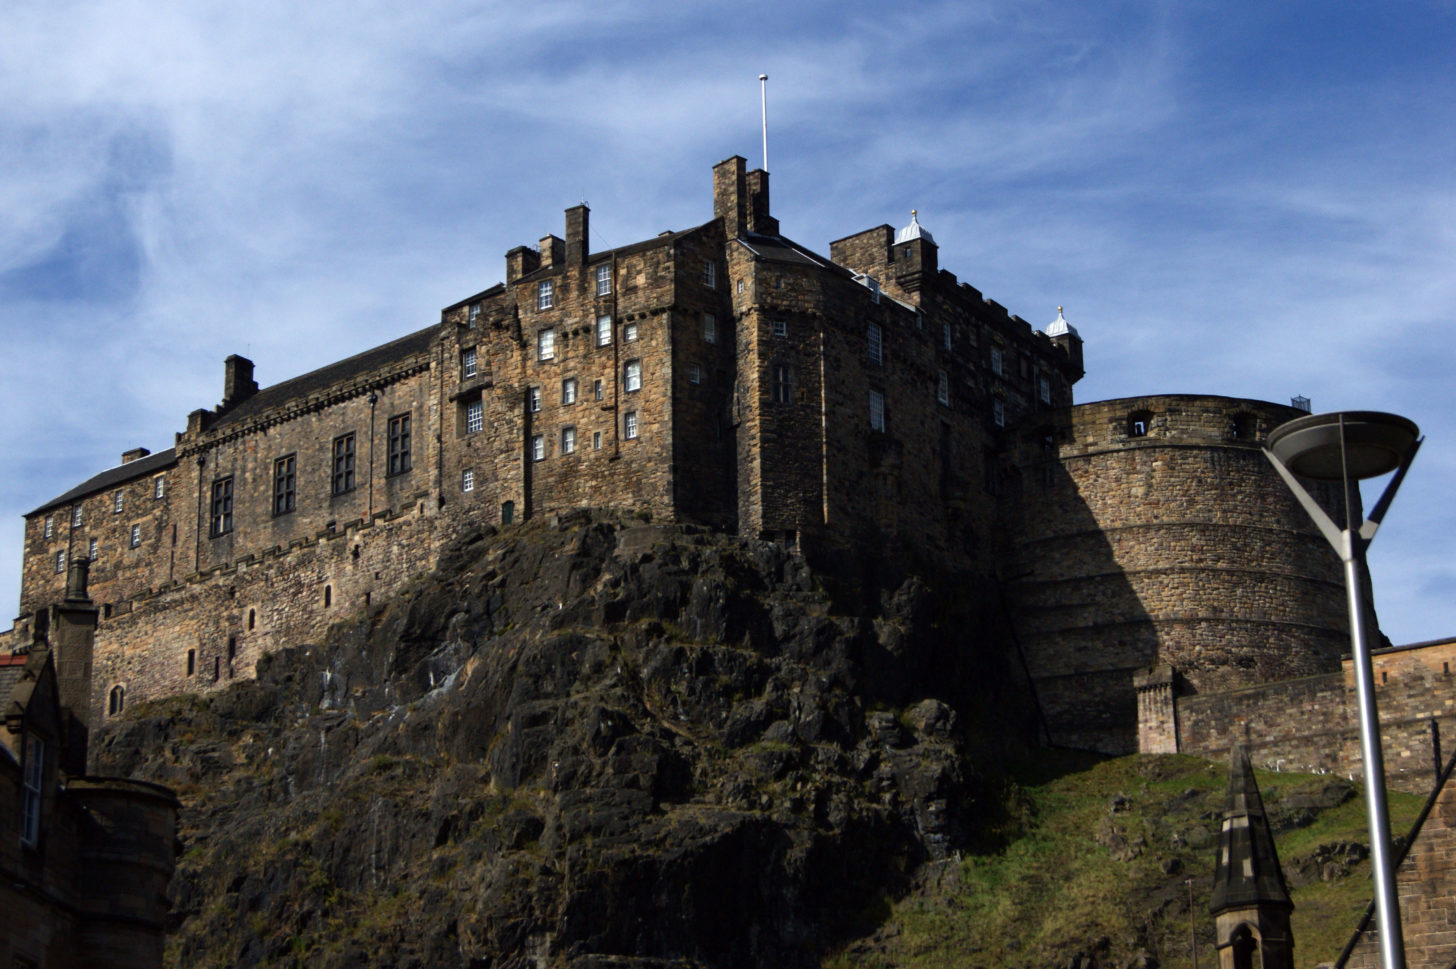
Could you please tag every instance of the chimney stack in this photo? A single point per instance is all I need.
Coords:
(577, 219)
(758, 218)
(238, 383)
(729, 195)
(553, 251)
(135, 454)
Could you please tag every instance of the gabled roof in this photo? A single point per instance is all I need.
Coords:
(1248, 872)
(112, 477)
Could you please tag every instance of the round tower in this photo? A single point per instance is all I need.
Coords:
(1155, 541)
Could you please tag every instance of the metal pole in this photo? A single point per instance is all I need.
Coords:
(1192, 933)
(763, 97)
(1387, 902)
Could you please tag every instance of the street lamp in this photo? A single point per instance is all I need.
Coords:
(1347, 447)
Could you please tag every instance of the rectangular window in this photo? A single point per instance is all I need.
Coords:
(596, 390)
(343, 477)
(159, 487)
(997, 364)
(695, 374)
(118, 502)
(710, 274)
(474, 416)
(76, 516)
(136, 536)
(467, 363)
(34, 788)
(740, 286)
(604, 331)
(399, 444)
(474, 314)
(50, 527)
(546, 344)
(783, 388)
(568, 391)
(710, 328)
(942, 394)
(221, 509)
(876, 347)
(545, 294)
(1044, 390)
(91, 550)
(877, 411)
(945, 334)
(285, 482)
(467, 479)
(998, 412)
(568, 440)
(604, 279)
(533, 399)
(629, 332)
(596, 440)
(632, 376)
(780, 328)
(61, 560)
(538, 447)
(629, 424)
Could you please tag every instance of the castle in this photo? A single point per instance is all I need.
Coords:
(727, 376)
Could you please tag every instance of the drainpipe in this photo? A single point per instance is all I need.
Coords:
(373, 400)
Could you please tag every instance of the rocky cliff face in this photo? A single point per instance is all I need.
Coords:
(583, 744)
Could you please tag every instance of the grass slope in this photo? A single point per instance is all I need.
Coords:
(1097, 861)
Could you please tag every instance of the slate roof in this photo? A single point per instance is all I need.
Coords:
(1248, 872)
(120, 474)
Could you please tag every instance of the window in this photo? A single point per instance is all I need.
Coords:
(568, 391)
(710, 328)
(695, 374)
(604, 331)
(545, 295)
(136, 536)
(221, 508)
(159, 487)
(252, 619)
(998, 412)
(538, 447)
(945, 335)
(1044, 389)
(118, 502)
(596, 440)
(710, 274)
(872, 335)
(50, 527)
(546, 344)
(76, 517)
(328, 601)
(568, 440)
(1138, 422)
(285, 484)
(629, 424)
(467, 363)
(783, 385)
(191, 662)
(604, 279)
(533, 399)
(467, 479)
(596, 390)
(34, 788)
(61, 560)
(996, 362)
(877, 411)
(474, 416)
(740, 286)
(632, 376)
(91, 549)
(343, 478)
(117, 703)
(399, 444)
(942, 393)
(780, 328)
(508, 512)
(629, 332)
(1244, 427)
(474, 314)
(874, 285)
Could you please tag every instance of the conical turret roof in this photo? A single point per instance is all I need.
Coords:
(1248, 867)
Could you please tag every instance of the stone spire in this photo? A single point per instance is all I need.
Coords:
(1250, 901)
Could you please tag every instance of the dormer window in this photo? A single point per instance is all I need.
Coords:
(545, 294)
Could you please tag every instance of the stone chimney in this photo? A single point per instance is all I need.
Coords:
(553, 251)
(72, 637)
(135, 454)
(759, 219)
(521, 261)
(730, 197)
(577, 219)
(238, 383)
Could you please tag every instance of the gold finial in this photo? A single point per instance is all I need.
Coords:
(1059, 311)
(912, 213)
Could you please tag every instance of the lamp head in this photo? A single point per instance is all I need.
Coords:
(1374, 443)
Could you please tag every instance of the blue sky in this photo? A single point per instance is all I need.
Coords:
(1251, 199)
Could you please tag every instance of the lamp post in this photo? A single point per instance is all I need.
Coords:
(1348, 447)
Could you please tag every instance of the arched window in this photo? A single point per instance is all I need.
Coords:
(1138, 423)
(118, 700)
